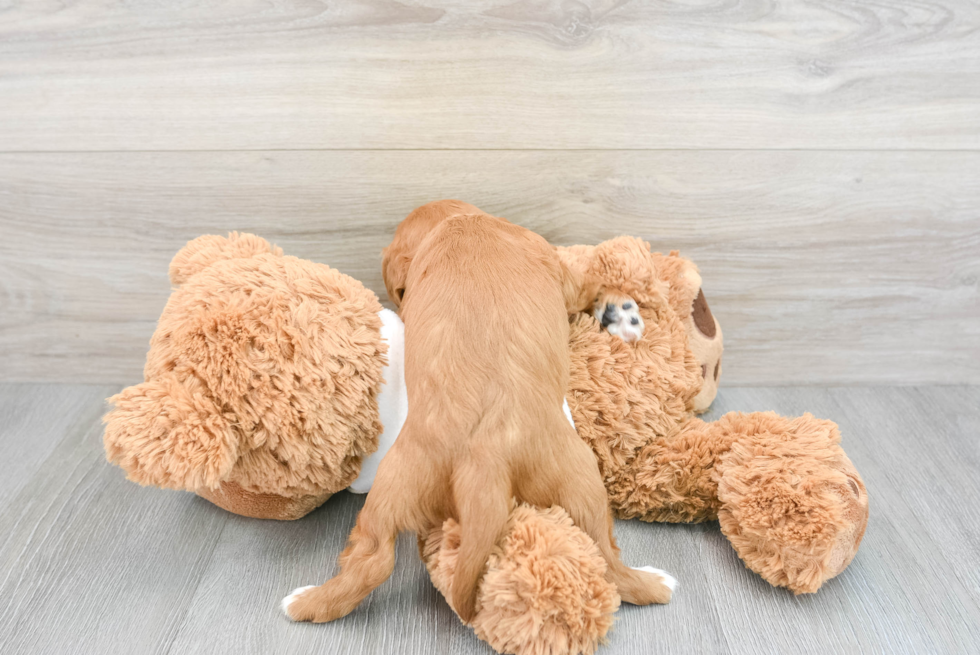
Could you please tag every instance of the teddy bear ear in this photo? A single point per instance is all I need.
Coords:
(163, 434)
(205, 250)
(625, 263)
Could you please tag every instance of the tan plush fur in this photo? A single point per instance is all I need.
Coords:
(792, 503)
(544, 591)
(260, 383)
(786, 495)
(486, 367)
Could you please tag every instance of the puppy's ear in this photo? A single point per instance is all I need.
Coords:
(394, 269)
(580, 289)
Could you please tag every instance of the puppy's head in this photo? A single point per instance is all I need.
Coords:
(397, 257)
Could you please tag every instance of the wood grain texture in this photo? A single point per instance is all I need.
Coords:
(236, 606)
(94, 564)
(34, 418)
(90, 563)
(822, 267)
(914, 449)
(117, 75)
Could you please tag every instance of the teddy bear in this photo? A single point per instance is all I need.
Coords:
(784, 492)
(264, 394)
(261, 383)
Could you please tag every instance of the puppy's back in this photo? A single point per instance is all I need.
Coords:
(486, 295)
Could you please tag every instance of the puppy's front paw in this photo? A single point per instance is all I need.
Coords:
(620, 316)
(290, 599)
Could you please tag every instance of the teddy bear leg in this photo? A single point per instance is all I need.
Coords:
(670, 478)
(792, 503)
(545, 587)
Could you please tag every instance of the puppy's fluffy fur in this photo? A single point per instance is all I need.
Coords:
(485, 306)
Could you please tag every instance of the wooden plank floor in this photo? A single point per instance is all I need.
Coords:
(90, 563)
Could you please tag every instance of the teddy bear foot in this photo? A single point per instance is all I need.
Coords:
(792, 503)
(544, 590)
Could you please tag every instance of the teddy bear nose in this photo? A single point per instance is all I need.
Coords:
(608, 315)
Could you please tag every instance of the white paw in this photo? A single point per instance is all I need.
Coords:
(288, 600)
(668, 579)
(620, 316)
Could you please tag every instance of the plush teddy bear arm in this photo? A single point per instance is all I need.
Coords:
(544, 590)
(786, 495)
(670, 480)
(163, 434)
(205, 250)
(792, 503)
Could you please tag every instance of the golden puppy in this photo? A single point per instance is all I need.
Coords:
(485, 307)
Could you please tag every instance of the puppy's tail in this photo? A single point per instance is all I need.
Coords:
(483, 498)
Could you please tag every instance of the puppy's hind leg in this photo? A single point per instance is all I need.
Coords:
(583, 496)
(483, 502)
(369, 557)
(367, 561)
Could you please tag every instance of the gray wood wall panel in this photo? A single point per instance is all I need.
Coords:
(116, 75)
(823, 267)
(91, 563)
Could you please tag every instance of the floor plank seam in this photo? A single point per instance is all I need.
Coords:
(714, 604)
(39, 521)
(178, 628)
